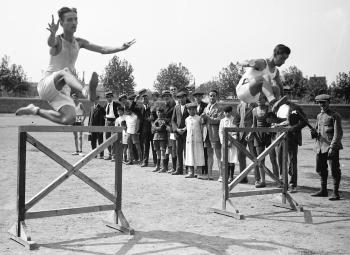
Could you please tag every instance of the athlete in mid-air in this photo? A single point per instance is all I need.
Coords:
(58, 79)
(260, 76)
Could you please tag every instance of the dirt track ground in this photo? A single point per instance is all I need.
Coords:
(169, 213)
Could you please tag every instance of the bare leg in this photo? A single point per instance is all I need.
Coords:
(66, 77)
(66, 115)
(76, 141)
(81, 141)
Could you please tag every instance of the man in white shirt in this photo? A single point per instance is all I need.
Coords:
(111, 115)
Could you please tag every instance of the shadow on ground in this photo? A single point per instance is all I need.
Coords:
(171, 241)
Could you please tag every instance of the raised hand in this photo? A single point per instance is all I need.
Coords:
(128, 44)
(53, 27)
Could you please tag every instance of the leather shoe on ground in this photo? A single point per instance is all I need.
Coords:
(177, 172)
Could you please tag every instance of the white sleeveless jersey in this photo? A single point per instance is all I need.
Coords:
(66, 58)
(251, 72)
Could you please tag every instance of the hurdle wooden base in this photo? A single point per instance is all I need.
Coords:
(18, 231)
(21, 236)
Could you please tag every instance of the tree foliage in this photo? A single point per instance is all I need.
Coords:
(174, 75)
(294, 78)
(340, 89)
(228, 79)
(207, 86)
(13, 80)
(118, 77)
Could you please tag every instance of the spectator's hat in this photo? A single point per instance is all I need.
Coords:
(198, 92)
(155, 93)
(322, 98)
(142, 92)
(132, 97)
(191, 105)
(109, 93)
(166, 93)
(122, 96)
(181, 94)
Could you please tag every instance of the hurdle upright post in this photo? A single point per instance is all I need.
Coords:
(284, 148)
(21, 179)
(224, 166)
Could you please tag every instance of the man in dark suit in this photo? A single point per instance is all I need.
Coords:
(145, 129)
(96, 118)
(111, 115)
(198, 97)
(178, 124)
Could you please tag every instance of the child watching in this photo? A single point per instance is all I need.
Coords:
(262, 139)
(120, 122)
(160, 139)
(132, 126)
(229, 121)
(194, 141)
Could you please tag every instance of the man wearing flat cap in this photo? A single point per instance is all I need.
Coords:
(179, 128)
(111, 115)
(328, 133)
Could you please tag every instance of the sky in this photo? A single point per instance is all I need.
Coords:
(203, 35)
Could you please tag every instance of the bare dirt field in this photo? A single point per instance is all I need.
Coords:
(169, 213)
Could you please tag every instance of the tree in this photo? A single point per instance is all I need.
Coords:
(315, 86)
(294, 78)
(13, 80)
(228, 79)
(207, 86)
(341, 88)
(118, 77)
(174, 75)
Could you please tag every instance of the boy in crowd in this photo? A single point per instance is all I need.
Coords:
(262, 139)
(229, 120)
(132, 127)
(160, 139)
(79, 121)
(194, 142)
(120, 122)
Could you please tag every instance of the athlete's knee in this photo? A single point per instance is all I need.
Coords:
(68, 120)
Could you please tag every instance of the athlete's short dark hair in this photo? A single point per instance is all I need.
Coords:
(64, 10)
(281, 49)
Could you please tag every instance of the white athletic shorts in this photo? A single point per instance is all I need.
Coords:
(243, 92)
(47, 91)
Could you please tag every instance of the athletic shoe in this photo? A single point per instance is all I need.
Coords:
(75, 153)
(31, 109)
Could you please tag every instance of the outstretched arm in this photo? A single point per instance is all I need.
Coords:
(103, 49)
(53, 27)
(258, 64)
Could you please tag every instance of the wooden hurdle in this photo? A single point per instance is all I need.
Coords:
(18, 231)
(227, 187)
